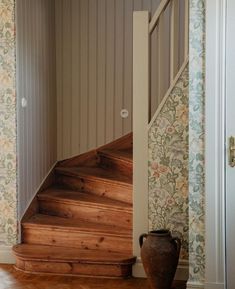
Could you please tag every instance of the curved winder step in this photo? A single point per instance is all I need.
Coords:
(69, 261)
(119, 160)
(98, 181)
(85, 206)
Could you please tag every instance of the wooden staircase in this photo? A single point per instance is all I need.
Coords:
(80, 222)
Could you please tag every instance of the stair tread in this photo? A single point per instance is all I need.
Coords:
(125, 155)
(58, 223)
(61, 254)
(96, 173)
(84, 198)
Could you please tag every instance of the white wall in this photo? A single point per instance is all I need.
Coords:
(36, 82)
(94, 70)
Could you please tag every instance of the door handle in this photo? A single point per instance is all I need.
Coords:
(232, 151)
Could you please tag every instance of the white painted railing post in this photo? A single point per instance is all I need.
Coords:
(174, 45)
(186, 29)
(140, 129)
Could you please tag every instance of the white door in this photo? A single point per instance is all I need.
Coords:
(230, 132)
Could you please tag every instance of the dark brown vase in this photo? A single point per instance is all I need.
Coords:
(160, 256)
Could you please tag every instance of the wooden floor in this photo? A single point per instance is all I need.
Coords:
(11, 279)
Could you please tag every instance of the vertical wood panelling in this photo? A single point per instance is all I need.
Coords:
(110, 72)
(75, 77)
(101, 93)
(128, 64)
(36, 82)
(59, 75)
(94, 70)
(92, 105)
(67, 84)
(84, 88)
(119, 66)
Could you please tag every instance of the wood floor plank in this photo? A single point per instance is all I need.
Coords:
(12, 279)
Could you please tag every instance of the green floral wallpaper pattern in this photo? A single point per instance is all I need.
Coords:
(168, 165)
(8, 197)
(196, 142)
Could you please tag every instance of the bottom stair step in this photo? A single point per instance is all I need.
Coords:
(71, 261)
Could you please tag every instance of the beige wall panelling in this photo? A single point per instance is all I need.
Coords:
(84, 87)
(128, 64)
(67, 84)
(59, 74)
(75, 77)
(36, 82)
(119, 66)
(101, 87)
(93, 79)
(94, 82)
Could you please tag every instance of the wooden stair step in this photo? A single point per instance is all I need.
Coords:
(85, 206)
(117, 160)
(52, 230)
(121, 155)
(96, 180)
(98, 174)
(71, 261)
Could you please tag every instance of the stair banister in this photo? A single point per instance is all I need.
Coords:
(154, 21)
(142, 31)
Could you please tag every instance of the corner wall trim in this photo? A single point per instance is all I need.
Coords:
(215, 142)
(6, 255)
(181, 273)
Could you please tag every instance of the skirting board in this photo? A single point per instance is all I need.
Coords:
(214, 286)
(181, 273)
(6, 255)
(195, 285)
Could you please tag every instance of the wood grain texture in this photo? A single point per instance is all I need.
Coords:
(12, 279)
(80, 222)
(84, 206)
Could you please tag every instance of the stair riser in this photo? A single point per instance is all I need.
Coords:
(77, 239)
(109, 190)
(65, 268)
(91, 214)
(122, 166)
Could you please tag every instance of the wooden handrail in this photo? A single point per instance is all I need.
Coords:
(154, 21)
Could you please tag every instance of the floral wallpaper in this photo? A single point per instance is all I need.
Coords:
(8, 196)
(168, 165)
(196, 142)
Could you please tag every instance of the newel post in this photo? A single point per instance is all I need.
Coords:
(140, 130)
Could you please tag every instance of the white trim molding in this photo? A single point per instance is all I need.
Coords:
(214, 286)
(6, 255)
(195, 285)
(140, 125)
(215, 144)
(181, 273)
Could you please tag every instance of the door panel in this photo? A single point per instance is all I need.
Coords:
(230, 131)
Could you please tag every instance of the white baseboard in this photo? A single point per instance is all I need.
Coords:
(181, 273)
(214, 286)
(6, 255)
(195, 285)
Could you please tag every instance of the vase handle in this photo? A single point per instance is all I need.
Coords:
(177, 242)
(141, 239)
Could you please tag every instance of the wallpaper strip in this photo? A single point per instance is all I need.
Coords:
(197, 142)
(168, 165)
(8, 192)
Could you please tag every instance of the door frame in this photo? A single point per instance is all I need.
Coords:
(215, 150)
